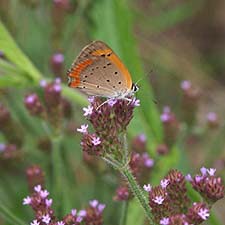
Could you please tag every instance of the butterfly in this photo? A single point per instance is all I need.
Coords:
(98, 71)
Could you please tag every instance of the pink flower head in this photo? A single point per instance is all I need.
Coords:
(46, 219)
(34, 222)
(164, 183)
(27, 200)
(88, 110)
(96, 141)
(164, 221)
(83, 128)
(211, 171)
(147, 187)
(93, 203)
(158, 199)
(204, 213)
(37, 188)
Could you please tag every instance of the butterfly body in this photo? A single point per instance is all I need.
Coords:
(98, 71)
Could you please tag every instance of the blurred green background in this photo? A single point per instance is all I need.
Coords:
(162, 42)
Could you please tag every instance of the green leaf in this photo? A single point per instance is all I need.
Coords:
(16, 56)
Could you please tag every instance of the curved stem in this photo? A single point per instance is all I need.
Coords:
(138, 192)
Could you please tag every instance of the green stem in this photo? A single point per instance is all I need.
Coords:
(123, 217)
(138, 192)
(57, 166)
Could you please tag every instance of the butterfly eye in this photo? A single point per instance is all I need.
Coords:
(134, 88)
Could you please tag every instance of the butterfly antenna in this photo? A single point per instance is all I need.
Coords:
(103, 103)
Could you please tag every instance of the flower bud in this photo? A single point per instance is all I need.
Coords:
(212, 120)
(170, 125)
(35, 176)
(162, 149)
(34, 105)
(139, 143)
(190, 101)
(57, 64)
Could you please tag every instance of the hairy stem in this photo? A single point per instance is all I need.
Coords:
(138, 192)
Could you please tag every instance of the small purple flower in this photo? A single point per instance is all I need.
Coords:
(44, 193)
(83, 128)
(136, 102)
(58, 58)
(79, 219)
(30, 98)
(91, 99)
(2, 147)
(158, 199)
(58, 80)
(212, 116)
(147, 187)
(164, 183)
(96, 141)
(34, 222)
(43, 83)
(73, 212)
(211, 171)
(164, 221)
(48, 202)
(204, 213)
(188, 177)
(198, 178)
(93, 203)
(185, 85)
(203, 171)
(82, 213)
(37, 188)
(148, 162)
(46, 219)
(27, 200)
(164, 117)
(60, 223)
(88, 110)
(101, 207)
(112, 102)
(57, 87)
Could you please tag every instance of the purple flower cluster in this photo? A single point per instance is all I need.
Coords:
(44, 214)
(52, 107)
(170, 203)
(208, 185)
(109, 120)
